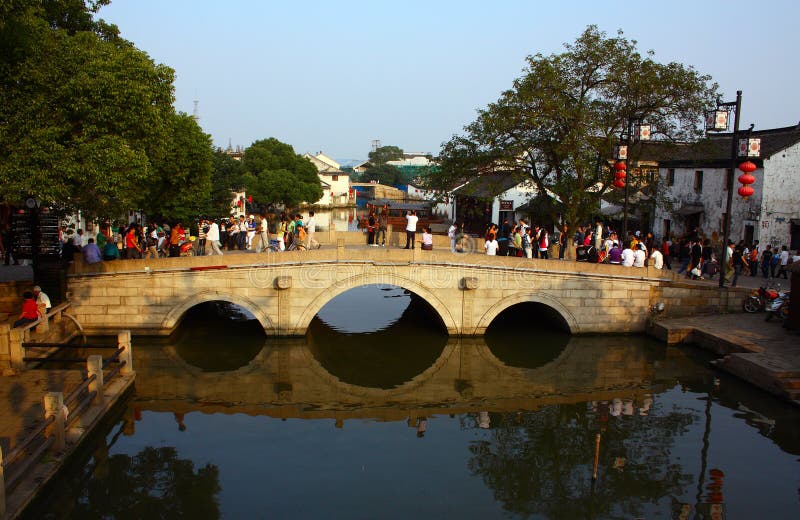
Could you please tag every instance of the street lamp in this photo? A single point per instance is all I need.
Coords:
(717, 121)
(637, 131)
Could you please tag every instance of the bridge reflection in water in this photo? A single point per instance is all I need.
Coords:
(510, 424)
(406, 368)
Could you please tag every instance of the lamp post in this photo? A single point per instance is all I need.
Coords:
(637, 132)
(717, 120)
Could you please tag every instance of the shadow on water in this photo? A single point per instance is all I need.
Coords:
(406, 337)
(218, 337)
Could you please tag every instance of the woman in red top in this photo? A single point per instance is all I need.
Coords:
(132, 248)
(30, 311)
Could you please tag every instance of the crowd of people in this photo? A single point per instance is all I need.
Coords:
(694, 256)
(213, 236)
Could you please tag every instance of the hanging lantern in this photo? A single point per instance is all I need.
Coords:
(619, 183)
(620, 174)
(620, 166)
(746, 179)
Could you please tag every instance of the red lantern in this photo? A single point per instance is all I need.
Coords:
(620, 166)
(746, 191)
(748, 167)
(746, 179)
(619, 183)
(620, 174)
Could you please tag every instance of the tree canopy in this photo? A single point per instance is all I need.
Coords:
(87, 118)
(384, 154)
(557, 126)
(274, 173)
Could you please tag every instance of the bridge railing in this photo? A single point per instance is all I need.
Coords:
(62, 413)
(13, 339)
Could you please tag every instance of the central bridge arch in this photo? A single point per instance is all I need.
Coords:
(360, 280)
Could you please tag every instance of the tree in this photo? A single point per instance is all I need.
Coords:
(83, 110)
(181, 185)
(226, 177)
(384, 154)
(556, 127)
(384, 174)
(274, 173)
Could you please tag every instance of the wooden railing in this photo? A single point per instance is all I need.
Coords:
(61, 413)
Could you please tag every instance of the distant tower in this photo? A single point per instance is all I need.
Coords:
(376, 143)
(196, 114)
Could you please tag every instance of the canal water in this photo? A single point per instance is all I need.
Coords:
(376, 413)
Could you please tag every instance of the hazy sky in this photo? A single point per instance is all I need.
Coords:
(333, 76)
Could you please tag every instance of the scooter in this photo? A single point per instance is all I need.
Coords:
(187, 248)
(779, 307)
(759, 299)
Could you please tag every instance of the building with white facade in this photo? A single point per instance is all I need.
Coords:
(336, 189)
(695, 190)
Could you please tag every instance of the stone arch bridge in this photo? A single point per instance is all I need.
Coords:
(284, 291)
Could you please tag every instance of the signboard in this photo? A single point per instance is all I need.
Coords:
(750, 147)
(22, 227)
(506, 205)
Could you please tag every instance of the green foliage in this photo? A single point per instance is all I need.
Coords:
(84, 112)
(274, 173)
(556, 127)
(384, 154)
(226, 176)
(384, 173)
(182, 181)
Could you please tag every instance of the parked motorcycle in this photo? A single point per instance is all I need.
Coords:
(779, 307)
(187, 248)
(760, 298)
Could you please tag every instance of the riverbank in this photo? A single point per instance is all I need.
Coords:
(763, 354)
(27, 467)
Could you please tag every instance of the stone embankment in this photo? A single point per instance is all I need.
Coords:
(764, 354)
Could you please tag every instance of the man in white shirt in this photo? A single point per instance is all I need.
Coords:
(491, 246)
(658, 259)
(639, 256)
(311, 228)
(627, 257)
(42, 300)
(212, 239)
(451, 234)
(411, 228)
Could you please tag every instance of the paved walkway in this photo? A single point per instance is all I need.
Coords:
(762, 353)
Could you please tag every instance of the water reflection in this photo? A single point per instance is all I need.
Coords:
(322, 427)
(217, 337)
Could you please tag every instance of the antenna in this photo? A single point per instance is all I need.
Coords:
(376, 143)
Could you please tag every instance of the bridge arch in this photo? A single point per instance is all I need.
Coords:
(360, 280)
(176, 314)
(527, 297)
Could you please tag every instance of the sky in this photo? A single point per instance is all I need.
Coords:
(334, 76)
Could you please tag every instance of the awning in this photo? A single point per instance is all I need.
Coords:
(690, 209)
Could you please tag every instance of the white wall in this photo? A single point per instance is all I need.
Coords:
(520, 194)
(781, 199)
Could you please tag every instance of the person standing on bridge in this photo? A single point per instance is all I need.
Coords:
(311, 230)
(212, 239)
(383, 225)
(411, 228)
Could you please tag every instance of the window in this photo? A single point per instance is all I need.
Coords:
(667, 227)
(698, 181)
(334, 177)
(728, 179)
(671, 177)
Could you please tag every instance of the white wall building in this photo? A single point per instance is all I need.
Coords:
(695, 181)
(335, 183)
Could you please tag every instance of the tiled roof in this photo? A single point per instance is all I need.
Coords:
(489, 185)
(715, 151)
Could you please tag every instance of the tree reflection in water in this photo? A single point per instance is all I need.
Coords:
(540, 463)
